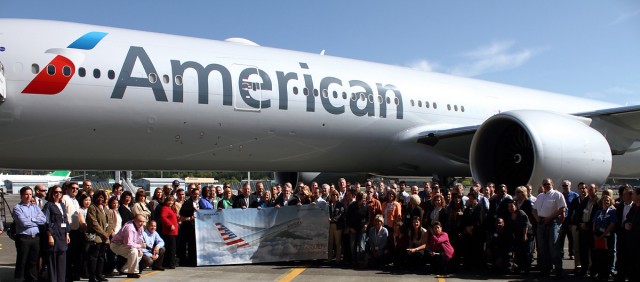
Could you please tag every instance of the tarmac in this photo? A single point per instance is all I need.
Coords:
(285, 271)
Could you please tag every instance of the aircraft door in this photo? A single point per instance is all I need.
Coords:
(3, 84)
(250, 89)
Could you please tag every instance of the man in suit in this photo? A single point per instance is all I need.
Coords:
(187, 231)
(624, 252)
(244, 199)
(287, 198)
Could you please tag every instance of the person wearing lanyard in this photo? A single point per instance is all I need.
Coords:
(549, 211)
(28, 217)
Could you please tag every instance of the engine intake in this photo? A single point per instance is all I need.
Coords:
(520, 147)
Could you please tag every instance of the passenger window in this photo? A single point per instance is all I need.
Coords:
(165, 79)
(178, 80)
(455, 108)
(449, 107)
(362, 97)
(419, 104)
(315, 92)
(66, 71)
(435, 106)
(388, 100)
(295, 90)
(380, 100)
(462, 108)
(35, 68)
(51, 69)
(396, 101)
(335, 94)
(111, 74)
(354, 97)
(412, 103)
(82, 72)
(325, 93)
(344, 95)
(153, 78)
(426, 104)
(305, 91)
(96, 73)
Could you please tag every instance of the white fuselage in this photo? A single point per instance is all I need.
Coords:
(251, 108)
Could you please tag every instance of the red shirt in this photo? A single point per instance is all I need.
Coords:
(440, 244)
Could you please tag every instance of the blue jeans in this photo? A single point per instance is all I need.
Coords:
(358, 243)
(549, 248)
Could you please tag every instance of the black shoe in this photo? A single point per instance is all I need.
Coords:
(102, 278)
(133, 275)
(158, 268)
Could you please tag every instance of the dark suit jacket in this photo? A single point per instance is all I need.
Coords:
(336, 212)
(55, 219)
(292, 202)
(240, 201)
(126, 214)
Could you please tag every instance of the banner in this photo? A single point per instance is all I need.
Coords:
(239, 236)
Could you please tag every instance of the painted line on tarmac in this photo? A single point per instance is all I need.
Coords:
(440, 278)
(293, 273)
(143, 275)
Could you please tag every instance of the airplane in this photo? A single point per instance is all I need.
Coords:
(80, 96)
(280, 230)
(10, 181)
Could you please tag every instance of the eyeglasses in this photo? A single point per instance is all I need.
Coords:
(42, 190)
(546, 184)
(73, 188)
(57, 192)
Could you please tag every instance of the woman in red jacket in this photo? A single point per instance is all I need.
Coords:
(169, 232)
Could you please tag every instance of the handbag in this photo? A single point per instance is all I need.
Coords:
(600, 244)
(90, 237)
(11, 231)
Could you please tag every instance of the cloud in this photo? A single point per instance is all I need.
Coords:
(625, 17)
(423, 65)
(497, 56)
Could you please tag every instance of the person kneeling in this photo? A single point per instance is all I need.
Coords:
(153, 253)
(126, 244)
(441, 250)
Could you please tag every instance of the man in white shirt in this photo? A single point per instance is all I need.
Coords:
(71, 205)
(549, 211)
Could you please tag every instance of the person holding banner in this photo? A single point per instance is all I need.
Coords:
(188, 229)
(227, 200)
(287, 198)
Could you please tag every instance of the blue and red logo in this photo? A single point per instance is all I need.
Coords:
(55, 76)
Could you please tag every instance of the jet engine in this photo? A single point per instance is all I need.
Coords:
(523, 146)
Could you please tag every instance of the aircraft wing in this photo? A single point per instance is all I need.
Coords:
(291, 235)
(458, 141)
(620, 126)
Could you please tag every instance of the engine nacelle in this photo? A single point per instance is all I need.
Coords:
(520, 147)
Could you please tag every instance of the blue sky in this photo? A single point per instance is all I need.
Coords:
(582, 48)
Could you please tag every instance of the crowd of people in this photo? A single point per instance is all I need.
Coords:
(69, 232)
